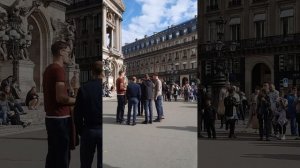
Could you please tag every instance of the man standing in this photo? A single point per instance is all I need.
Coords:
(291, 112)
(56, 103)
(147, 93)
(141, 103)
(88, 118)
(121, 90)
(158, 98)
(133, 94)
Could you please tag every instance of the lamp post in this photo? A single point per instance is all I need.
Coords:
(222, 66)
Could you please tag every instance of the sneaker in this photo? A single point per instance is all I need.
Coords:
(283, 137)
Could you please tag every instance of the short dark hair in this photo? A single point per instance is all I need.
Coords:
(120, 72)
(97, 68)
(57, 46)
(133, 78)
(155, 74)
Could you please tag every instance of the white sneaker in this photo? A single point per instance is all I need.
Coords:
(278, 136)
(283, 137)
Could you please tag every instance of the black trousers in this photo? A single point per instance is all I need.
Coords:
(210, 128)
(231, 123)
(264, 126)
(298, 121)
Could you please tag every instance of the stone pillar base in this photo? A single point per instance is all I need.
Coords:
(25, 76)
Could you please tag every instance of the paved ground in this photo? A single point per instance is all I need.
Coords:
(169, 144)
(247, 152)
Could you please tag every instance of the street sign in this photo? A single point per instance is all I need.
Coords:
(285, 82)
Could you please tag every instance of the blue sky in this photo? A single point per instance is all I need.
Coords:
(143, 17)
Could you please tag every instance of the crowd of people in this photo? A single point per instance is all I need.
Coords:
(268, 110)
(173, 91)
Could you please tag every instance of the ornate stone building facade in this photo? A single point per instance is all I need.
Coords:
(33, 36)
(111, 41)
(172, 53)
(87, 48)
(265, 35)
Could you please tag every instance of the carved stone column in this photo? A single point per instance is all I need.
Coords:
(104, 28)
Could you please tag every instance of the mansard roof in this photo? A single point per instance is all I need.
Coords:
(171, 30)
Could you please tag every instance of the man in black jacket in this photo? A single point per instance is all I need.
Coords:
(133, 94)
(88, 117)
(147, 96)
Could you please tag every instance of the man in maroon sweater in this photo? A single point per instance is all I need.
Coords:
(57, 102)
(121, 90)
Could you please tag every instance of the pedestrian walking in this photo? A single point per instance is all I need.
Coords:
(88, 117)
(133, 94)
(274, 95)
(231, 111)
(57, 106)
(121, 90)
(209, 116)
(292, 98)
(253, 106)
(264, 113)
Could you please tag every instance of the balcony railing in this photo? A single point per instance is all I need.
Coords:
(212, 8)
(255, 43)
(257, 1)
(235, 3)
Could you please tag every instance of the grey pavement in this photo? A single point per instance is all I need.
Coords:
(246, 151)
(171, 143)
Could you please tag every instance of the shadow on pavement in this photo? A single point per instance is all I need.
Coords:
(274, 156)
(108, 166)
(280, 144)
(189, 106)
(25, 138)
(189, 128)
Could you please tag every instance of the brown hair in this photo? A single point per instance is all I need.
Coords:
(97, 68)
(57, 46)
(120, 72)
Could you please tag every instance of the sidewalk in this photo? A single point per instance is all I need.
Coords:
(36, 117)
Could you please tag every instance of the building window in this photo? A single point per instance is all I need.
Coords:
(177, 34)
(177, 67)
(97, 22)
(194, 28)
(260, 29)
(184, 66)
(235, 32)
(170, 36)
(287, 22)
(287, 25)
(212, 31)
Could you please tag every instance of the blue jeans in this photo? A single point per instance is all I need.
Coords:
(3, 117)
(120, 108)
(59, 131)
(293, 126)
(132, 102)
(90, 139)
(159, 108)
(148, 110)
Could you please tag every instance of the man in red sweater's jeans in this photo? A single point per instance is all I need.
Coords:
(121, 90)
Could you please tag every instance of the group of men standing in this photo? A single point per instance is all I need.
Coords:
(139, 94)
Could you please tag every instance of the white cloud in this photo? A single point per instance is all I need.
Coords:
(157, 15)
